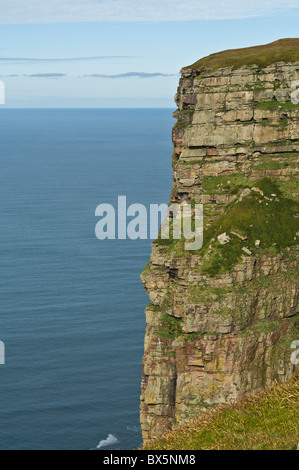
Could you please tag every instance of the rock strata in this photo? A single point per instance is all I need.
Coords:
(222, 319)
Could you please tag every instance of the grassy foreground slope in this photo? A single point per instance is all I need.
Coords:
(286, 50)
(268, 421)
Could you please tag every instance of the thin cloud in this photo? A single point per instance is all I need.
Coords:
(95, 75)
(36, 75)
(65, 11)
(47, 75)
(66, 59)
(131, 74)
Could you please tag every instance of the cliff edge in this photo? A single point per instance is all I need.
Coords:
(222, 319)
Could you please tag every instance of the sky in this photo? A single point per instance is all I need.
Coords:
(123, 53)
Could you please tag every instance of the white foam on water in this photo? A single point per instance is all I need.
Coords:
(111, 440)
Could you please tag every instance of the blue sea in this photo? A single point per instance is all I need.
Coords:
(72, 306)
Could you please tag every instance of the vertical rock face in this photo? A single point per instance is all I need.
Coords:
(222, 319)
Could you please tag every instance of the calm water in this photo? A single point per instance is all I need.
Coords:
(71, 306)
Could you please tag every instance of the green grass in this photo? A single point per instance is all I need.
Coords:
(192, 337)
(268, 325)
(280, 155)
(154, 308)
(186, 111)
(262, 281)
(289, 186)
(170, 327)
(286, 50)
(271, 165)
(219, 184)
(265, 326)
(272, 222)
(283, 122)
(268, 421)
(181, 125)
(205, 293)
(265, 122)
(275, 105)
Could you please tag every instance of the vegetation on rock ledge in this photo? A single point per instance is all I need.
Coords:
(268, 217)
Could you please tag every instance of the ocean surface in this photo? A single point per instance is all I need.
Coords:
(72, 306)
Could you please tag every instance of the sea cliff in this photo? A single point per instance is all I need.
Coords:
(222, 319)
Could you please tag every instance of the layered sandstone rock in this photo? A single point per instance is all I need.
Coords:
(222, 319)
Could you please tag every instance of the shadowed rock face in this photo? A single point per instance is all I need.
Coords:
(221, 320)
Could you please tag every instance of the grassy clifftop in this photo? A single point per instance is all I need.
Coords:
(286, 50)
(268, 421)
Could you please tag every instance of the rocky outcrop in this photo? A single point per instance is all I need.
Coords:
(222, 319)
